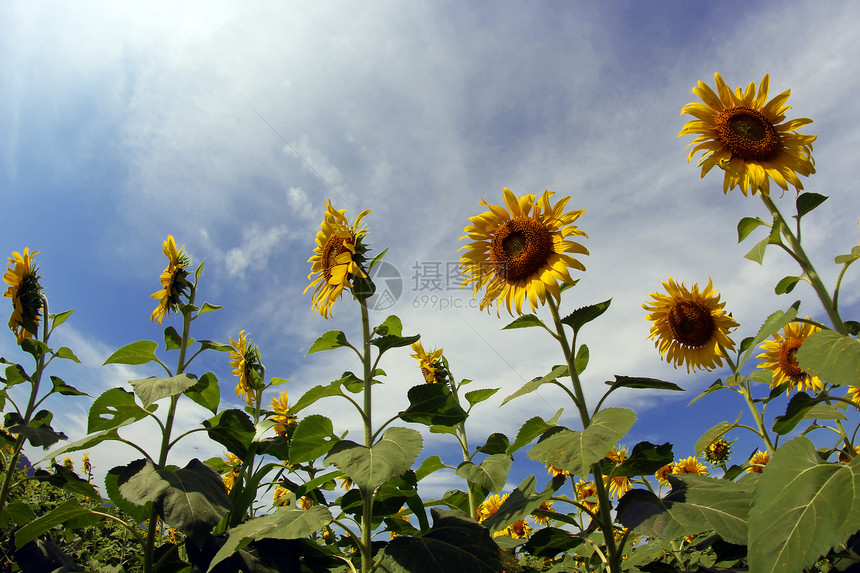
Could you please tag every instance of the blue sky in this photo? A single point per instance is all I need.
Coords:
(229, 125)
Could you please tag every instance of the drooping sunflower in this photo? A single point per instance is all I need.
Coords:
(748, 137)
(758, 461)
(245, 360)
(663, 473)
(542, 519)
(690, 327)
(174, 283)
(26, 294)
(337, 258)
(718, 451)
(235, 465)
(521, 251)
(780, 357)
(585, 492)
(689, 465)
(429, 364)
(618, 485)
(282, 417)
(554, 471)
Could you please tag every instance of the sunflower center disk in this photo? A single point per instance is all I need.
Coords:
(788, 359)
(748, 134)
(333, 247)
(520, 247)
(691, 323)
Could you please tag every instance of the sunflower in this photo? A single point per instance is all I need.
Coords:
(663, 473)
(689, 465)
(690, 327)
(490, 506)
(540, 519)
(747, 137)
(854, 395)
(281, 406)
(780, 356)
(337, 258)
(718, 451)
(585, 491)
(428, 362)
(245, 360)
(618, 485)
(517, 530)
(306, 502)
(173, 281)
(758, 461)
(521, 251)
(554, 471)
(26, 294)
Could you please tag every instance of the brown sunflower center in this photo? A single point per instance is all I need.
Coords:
(333, 247)
(748, 134)
(691, 323)
(520, 247)
(788, 359)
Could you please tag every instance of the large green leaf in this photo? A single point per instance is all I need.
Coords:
(643, 383)
(478, 396)
(233, 429)
(428, 466)
(69, 509)
(645, 459)
(531, 429)
(140, 352)
(116, 478)
(38, 431)
(695, 504)
(328, 341)
(63, 389)
(432, 405)
(803, 407)
(114, 408)
(206, 392)
(492, 474)
(807, 201)
(747, 225)
(387, 459)
(390, 326)
(313, 437)
(550, 541)
(281, 524)
(576, 452)
(831, 356)
(581, 316)
(802, 507)
(194, 501)
(522, 501)
(152, 389)
(452, 545)
(317, 393)
(536, 383)
(772, 324)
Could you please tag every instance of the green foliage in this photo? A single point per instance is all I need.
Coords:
(492, 474)
(433, 404)
(832, 356)
(387, 459)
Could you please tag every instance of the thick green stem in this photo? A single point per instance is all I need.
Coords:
(367, 496)
(571, 366)
(762, 431)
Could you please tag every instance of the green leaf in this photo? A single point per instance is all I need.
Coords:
(428, 466)
(714, 432)
(194, 501)
(61, 317)
(802, 507)
(433, 404)
(525, 321)
(786, 285)
(66, 353)
(550, 541)
(281, 524)
(803, 407)
(522, 501)
(717, 385)
(576, 452)
(206, 392)
(115, 479)
(68, 480)
(806, 202)
(213, 345)
(15, 374)
(642, 383)
(772, 324)
(233, 429)
(20, 513)
(390, 326)
(313, 437)
(85, 443)
(756, 254)
(478, 396)
(492, 474)
(140, 352)
(453, 545)
(38, 431)
(387, 459)
(316, 393)
(209, 308)
(831, 356)
(329, 341)
(391, 341)
(531, 429)
(747, 225)
(69, 509)
(497, 443)
(172, 340)
(60, 387)
(695, 504)
(581, 316)
(536, 383)
(645, 459)
(152, 389)
(581, 360)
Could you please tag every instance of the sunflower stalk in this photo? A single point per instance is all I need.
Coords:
(366, 496)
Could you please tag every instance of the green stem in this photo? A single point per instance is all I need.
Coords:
(762, 431)
(571, 366)
(367, 497)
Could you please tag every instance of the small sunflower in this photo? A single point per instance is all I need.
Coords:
(245, 360)
(428, 362)
(780, 356)
(282, 417)
(306, 502)
(26, 294)
(235, 465)
(718, 451)
(689, 465)
(758, 461)
(618, 485)
(690, 327)
(279, 494)
(174, 283)
(554, 471)
(521, 251)
(748, 138)
(586, 491)
(540, 519)
(854, 395)
(663, 473)
(490, 506)
(517, 530)
(337, 258)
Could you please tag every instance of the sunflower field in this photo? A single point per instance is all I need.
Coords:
(294, 492)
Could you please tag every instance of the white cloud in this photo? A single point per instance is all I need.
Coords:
(257, 246)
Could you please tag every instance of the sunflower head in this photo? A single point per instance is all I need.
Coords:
(758, 461)
(174, 281)
(521, 251)
(618, 485)
(689, 465)
(490, 506)
(663, 473)
(541, 519)
(430, 364)
(338, 260)
(554, 471)
(585, 492)
(748, 137)
(690, 327)
(22, 278)
(245, 360)
(718, 451)
(780, 357)
(282, 417)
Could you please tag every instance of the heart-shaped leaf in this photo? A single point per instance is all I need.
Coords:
(387, 459)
